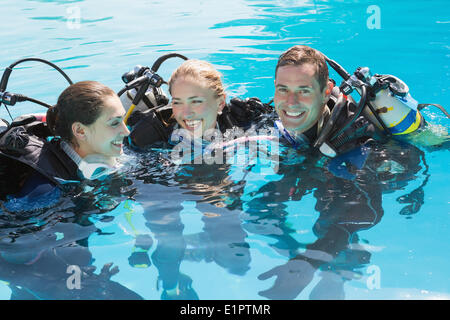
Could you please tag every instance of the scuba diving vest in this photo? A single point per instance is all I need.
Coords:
(156, 125)
(26, 145)
(337, 134)
(332, 131)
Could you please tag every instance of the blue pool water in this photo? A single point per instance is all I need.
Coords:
(217, 229)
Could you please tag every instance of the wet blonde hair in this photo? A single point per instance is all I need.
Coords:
(201, 71)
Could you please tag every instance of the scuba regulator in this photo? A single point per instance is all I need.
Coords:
(10, 99)
(143, 87)
(385, 108)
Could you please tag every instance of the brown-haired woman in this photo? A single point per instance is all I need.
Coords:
(89, 118)
(83, 136)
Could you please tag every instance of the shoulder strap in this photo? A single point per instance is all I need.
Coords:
(27, 143)
(154, 126)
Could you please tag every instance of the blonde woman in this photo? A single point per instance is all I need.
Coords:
(198, 104)
(198, 96)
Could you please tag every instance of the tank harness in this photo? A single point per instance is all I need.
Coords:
(339, 108)
(29, 141)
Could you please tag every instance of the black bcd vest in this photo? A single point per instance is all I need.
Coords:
(25, 147)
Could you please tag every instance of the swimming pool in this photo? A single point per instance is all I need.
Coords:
(217, 229)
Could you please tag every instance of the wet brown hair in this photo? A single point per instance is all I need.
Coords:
(299, 55)
(81, 102)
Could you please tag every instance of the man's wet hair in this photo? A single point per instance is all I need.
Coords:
(299, 55)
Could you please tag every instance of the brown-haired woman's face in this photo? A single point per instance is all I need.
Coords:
(195, 106)
(105, 136)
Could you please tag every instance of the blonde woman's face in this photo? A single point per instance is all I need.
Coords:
(195, 106)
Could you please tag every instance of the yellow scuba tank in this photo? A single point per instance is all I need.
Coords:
(394, 106)
(385, 104)
(385, 99)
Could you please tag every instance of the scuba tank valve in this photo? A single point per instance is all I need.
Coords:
(143, 87)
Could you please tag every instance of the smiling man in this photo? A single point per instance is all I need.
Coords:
(302, 90)
(305, 99)
(348, 185)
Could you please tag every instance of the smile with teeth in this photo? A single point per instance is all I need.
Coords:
(117, 143)
(294, 114)
(193, 123)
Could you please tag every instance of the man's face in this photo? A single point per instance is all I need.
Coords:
(298, 99)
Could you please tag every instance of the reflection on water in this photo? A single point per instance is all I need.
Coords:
(40, 248)
(149, 200)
